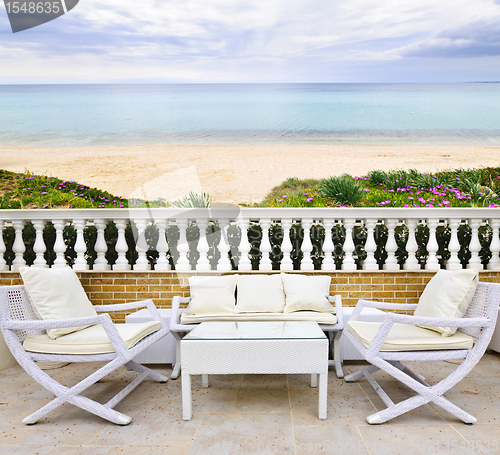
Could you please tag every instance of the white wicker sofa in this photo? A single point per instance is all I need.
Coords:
(246, 308)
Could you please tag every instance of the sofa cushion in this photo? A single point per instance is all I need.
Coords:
(57, 294)
(304, 292)
(447, 295)
(92, 340)
(320, 318)
(405, 337)
(259, 294)
(212, 294)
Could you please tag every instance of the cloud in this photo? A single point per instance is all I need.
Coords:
(475, 39)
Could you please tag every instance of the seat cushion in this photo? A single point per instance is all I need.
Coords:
(305, 292)
(57, 294)
(447, 295)
(404, 337)
(92, 340)
(259, 294)
(320, 318)
(212, 294)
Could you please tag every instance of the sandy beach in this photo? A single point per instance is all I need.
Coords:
(229, 173)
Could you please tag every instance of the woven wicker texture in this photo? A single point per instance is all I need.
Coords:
(479, 321)
(18, 321)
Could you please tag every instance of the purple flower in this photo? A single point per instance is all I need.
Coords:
(281, 200)
(284, 196)
(45, 192)
(309, 199)
(305, 194)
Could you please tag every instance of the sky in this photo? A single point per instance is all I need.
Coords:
(221, 41)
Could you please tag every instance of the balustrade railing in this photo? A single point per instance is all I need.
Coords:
(235, 238)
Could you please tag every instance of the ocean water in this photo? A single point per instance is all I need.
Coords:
(116, 114)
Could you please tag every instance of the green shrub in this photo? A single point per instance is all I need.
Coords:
(343, 189)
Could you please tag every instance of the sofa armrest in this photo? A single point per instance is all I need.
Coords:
(175, 314)
(337, 301)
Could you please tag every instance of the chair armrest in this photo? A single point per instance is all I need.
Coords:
(380, 306)
(41, 324)
(338, 309)
(175, 313)
(122, 306)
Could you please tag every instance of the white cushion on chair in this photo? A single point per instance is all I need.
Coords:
(57, 294)
(447, 295)
(304, 292)
(212, 294)
(260, 294)
(92, 340)
(405, 337)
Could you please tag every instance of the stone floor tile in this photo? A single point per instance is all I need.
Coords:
(423, 415)
(135, 450)
(244, 434)
(339, 439)
(414, 440)
(264, 381)
(484, 409)
(263, 400)
(343, 409)
(148, 431)
(39, 450)
(485, 438)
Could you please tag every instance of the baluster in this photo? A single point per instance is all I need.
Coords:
(286, 245)
(348, 262)
(59, 245)
(39, 247)
(475, 245)
(454, 246)
(307, 246)
(494, 263)
(121, 247)
(182, 245)
(141, 246)
(3, 249)
(18, 247)
(391, 246)
(432, 245)
(370, 262)
(100, 246)
(162, 246)
(411, 245)
(203, 262)
(244, 263)
(265, 245)
(224, 263)
(328, 246)
(80, 246)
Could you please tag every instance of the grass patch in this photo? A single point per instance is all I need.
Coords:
(30, 191)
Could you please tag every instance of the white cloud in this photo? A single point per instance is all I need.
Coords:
(239, 39)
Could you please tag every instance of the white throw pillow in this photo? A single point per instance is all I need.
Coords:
(260, 294)
(447, 295)
(304, 292)
(57, 294)
(212, 294)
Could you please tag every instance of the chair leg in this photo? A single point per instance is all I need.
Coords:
(353, 377)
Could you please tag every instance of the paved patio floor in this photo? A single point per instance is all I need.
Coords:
(251, 415)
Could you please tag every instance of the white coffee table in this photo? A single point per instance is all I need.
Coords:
(289, 347)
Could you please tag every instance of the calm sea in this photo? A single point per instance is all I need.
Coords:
(114, 114)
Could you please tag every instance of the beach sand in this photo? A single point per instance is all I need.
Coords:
(229, 173)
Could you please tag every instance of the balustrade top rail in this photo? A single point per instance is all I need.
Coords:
(276, 238)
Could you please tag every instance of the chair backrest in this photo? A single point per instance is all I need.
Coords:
(15, 304)
(484, 304)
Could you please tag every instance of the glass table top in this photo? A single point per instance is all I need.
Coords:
(262, 330)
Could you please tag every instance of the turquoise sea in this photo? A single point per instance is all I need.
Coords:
(116, 114)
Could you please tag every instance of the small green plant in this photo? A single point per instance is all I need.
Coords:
(193, 200)
(343, 189)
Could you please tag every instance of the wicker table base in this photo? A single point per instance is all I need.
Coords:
(254, 356)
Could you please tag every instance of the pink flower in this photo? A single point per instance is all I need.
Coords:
(284, 196)
(309, 199)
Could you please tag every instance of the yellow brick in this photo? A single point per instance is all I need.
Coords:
(136, 288)
(406, 294)
(124, 295)
(148, 295)
(336, 280)
(395, 287)
(124, 281)
(360, 280)
(382, 295)
(100, 295)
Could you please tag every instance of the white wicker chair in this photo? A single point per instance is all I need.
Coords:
(478, 322)
(18, 322)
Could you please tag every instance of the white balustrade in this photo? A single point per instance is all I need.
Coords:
(39, 247)
(475, 245)
(13, 250)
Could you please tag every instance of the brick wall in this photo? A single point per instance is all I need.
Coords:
(118, 287)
